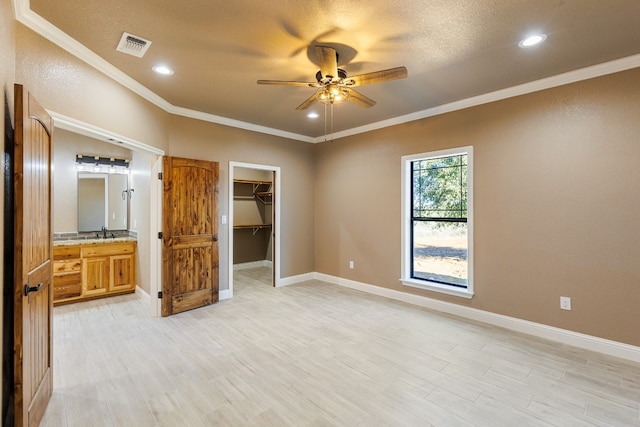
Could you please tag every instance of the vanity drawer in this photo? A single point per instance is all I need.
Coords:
(67, 286)
(106, 250)
(65, 252)
(61, 267)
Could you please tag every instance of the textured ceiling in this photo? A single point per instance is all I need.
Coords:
(453, 49)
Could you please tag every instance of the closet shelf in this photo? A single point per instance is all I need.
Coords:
(250, 181)
(260, 190)
(264, 196)
(254, 227)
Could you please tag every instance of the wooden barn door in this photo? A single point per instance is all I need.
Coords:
(32, 260)
(189, 234)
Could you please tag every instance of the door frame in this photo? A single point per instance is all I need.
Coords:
(276, 220)
(70, 124)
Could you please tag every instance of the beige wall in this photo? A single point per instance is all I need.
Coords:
(140, 212)
(253, 174)
(556, 204)
(196, 139)
(555, 186)
(67, 86)
(7, 73)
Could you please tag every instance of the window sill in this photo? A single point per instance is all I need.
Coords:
(437, 287)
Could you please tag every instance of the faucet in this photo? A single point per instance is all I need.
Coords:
(104, 232)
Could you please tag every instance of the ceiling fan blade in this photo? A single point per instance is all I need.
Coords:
(359, 99)
(287, 83)
(328, 61)
(377, 77)
(308, 102)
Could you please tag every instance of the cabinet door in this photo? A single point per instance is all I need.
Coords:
(95, 275)
(122, 272)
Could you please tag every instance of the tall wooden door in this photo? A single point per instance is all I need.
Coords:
(33, 306)
(190, 234)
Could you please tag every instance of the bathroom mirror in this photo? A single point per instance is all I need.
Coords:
(103, 201)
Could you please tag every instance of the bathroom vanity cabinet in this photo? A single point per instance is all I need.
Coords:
(88, 269)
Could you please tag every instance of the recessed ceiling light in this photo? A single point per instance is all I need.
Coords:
(313, 115)
(163, 69)
(532, 40)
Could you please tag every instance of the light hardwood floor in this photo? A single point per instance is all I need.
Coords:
(315, 354)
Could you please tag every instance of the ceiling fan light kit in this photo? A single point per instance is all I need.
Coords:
(332, 93)
(334, 85)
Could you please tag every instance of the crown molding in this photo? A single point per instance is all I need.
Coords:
(35, 22)
(569, 77)
(199, 115)
(39, 25)
(61, 121)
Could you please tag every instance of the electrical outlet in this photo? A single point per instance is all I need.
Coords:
(565, 303)
(351, 265)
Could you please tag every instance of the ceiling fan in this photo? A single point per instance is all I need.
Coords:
(334, 85)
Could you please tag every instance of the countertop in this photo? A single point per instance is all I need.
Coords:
(82, 242)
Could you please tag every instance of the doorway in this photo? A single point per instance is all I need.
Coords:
(145, 203)
(254, 219)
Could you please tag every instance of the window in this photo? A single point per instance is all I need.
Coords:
(437, 225)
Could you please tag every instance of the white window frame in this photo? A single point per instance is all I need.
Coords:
(406, 278)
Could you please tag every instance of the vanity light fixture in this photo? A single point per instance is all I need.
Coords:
(109, 164)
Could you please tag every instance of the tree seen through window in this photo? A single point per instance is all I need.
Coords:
(439, 219)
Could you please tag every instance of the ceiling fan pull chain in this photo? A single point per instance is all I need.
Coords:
(325, 122)
(331, 107)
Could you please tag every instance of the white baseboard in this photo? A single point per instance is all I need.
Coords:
(144, 295)
(224, 294)
(254, 264)
(576, 339)
(292, 280)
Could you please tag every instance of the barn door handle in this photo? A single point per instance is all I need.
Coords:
(215, 238)
(28, 289)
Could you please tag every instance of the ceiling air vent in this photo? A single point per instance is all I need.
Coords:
(133, 45)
